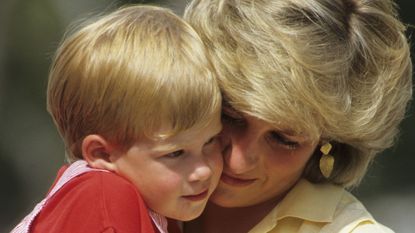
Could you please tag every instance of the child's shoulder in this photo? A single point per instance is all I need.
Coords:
(104, 198)
(107, 186)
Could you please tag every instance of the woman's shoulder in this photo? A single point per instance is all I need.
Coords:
(371, 227)
(340, 210)
(351, 216)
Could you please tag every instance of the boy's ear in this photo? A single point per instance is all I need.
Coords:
(98, 152)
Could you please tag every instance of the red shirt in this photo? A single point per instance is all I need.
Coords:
(94, 202)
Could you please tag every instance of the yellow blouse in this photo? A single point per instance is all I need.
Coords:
(322, 208)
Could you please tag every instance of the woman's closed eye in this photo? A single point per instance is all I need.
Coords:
(278, 138)
(175, 154)
(212, 140)
(231, 117)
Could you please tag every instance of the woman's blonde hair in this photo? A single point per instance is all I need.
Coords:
(127, 75)
(336, 70)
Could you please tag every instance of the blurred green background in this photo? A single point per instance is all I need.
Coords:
(31, 150)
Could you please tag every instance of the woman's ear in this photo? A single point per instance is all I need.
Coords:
(98, 152)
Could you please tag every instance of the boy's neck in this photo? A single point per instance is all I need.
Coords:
(217, 219)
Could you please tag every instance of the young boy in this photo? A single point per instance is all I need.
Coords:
(135, 100)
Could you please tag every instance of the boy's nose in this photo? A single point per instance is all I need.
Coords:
(201, 172)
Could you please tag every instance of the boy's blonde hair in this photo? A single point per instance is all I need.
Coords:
(336, 70)
(128, 75)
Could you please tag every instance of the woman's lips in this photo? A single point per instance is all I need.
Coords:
(236, 181)
(198, 197)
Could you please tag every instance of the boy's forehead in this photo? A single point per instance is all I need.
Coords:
(188, 136)
(212, 128)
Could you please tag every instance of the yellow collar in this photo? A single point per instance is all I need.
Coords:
(311, 202)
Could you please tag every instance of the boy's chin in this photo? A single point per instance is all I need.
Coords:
(189, 215)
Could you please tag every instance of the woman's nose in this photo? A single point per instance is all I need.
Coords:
(240, 154)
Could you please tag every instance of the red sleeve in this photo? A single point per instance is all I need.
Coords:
(95, 202)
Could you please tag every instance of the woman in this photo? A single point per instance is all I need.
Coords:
(314, 90)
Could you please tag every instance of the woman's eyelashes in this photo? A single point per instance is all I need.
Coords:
(174, 154)
(212, 140)
(274, 137)
(230, 117)
(278, 138)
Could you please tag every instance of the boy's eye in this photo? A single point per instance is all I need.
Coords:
(279, 138)
(175, 154)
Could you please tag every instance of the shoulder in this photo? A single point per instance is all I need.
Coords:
(371, 227)
(119, 195)
(351, 216)
(338, 211)
(97, 200)
(108, 184)
(118, 200)
(100, 187)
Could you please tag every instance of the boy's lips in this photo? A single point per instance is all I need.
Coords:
(234, 181)
(197, 197)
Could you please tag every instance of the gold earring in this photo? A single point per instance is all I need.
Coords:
(326, 160)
